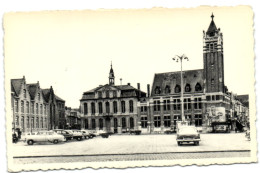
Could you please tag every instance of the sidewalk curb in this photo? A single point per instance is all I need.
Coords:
(123, 154)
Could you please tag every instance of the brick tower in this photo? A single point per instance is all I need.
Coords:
(213, 59)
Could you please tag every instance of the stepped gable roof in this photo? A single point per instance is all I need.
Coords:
(59, 99)
(244, 99)
(171, 79)
(32, 88)
(212, 27)
(16, 85)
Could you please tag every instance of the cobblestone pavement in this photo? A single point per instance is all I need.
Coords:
(133, 144)
(131, 157)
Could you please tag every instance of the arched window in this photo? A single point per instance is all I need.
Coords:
(22, 106)
(100, 123)
(115, 123)
(123, 122)
(198, 87)
(123, 106)
(41, 109)
(37, 122)
(100, 107)
(177, 89)
(22, 123)
(167, 89)
(187, 88)
(115, 106)
(93, 123)
(157, 90)
(85, 108)
(39, 96)
(41, 122)
(37, 108)
(27, 107)
(131, 106)
(86, 123)
(107, 107)
(93, 109)
(132, 124)
(24, 93)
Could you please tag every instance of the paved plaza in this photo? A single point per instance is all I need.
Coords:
(134, 144)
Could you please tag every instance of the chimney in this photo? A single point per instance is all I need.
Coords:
(139, 91)
(129, 84)
(148, 90)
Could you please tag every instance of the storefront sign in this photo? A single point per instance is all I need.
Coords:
(217, 114)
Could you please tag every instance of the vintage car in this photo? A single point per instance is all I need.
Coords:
(86, 134)
(67, 134)
(43, 136)
(76, 134)
(187, 134)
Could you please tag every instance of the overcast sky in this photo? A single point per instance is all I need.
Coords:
(72, 50)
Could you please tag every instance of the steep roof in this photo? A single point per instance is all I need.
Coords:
(244, 99)
(58, 98)
(171, 79)
(212, 27)
(46, 94)
(16, 85)
(32, 88)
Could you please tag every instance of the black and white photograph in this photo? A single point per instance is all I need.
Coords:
(129, 88)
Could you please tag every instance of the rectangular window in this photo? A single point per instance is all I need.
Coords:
(197, 103)
(144, 122)
(37, 108)
(131, 105)
(176, 104)
(187, 104)
(28, 122)
(198, 120)
(208, 98)
(93, 122)
(99, 94)
(167, 121)
(41, 109)
(166, 105)
(123, 106)
(156, 105)
(143, 108)
(32, 107)
(27, 107)
(157, 121)
(114, 93)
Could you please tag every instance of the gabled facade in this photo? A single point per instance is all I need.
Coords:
(32, 106)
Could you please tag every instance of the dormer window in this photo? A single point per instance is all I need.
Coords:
(187, 88)
(198, 87)
(107, 94)
(167, 89)
(114, 93)
(177, 89)
(99, 94)
(157, 90)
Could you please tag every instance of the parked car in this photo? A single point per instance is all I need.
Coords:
(188, 134)
(76, 134)
(86, 134)
(67, 134)
(43, 136)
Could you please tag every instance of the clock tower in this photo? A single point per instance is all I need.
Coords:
(213, 59)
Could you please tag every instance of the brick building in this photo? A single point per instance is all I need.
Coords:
(207, 102)
(111, 107)
(35, 109)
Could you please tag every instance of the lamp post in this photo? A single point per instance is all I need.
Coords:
(177, 59)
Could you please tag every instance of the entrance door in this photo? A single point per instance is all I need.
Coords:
(115, 125)
(108, 124)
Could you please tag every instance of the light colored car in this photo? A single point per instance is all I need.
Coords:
(86, 134)
(76, 134)
(43, 136)
(188, 134)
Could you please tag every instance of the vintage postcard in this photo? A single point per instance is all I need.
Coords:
(129, 88)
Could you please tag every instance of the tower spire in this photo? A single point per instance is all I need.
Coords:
(212, 16)
(111, 76)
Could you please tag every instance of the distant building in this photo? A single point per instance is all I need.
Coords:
(111, 107)
(34, 108)
(73, 118)
(207, 102)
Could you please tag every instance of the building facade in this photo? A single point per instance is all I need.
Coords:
(34, 109)
(111, 107)
(207, 102)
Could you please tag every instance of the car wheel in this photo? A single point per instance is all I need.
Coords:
(79, 138)
(55, 141)
(30, 142)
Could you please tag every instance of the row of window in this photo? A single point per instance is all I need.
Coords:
(214, 97)
(35, 123)
(39, 108)
(177, 104)
(177, 88)
(107, 107)
(167, 120)
(101, 123)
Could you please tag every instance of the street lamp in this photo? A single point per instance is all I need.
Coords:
(177, 59)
